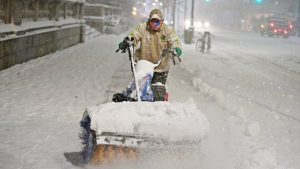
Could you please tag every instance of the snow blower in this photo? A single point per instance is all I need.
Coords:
(121, 129)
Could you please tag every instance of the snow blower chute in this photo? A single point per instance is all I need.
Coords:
(121, 129)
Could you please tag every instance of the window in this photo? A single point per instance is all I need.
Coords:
(43, 10)
(2, 12)
(28, 11)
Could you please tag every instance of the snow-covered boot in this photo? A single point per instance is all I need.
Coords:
(119, 97)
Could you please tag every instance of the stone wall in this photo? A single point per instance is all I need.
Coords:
(24, 48)
(33, 28)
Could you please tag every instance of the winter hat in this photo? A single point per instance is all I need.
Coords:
(156, 14)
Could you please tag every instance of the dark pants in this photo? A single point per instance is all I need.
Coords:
(160, 77)
(159, 90)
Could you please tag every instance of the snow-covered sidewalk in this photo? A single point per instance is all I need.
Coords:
(42, 102)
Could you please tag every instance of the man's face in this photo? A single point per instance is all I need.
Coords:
(155, 24)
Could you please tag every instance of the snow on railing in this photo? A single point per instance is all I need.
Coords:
(102, 5)
(81, 1)
(8, 30)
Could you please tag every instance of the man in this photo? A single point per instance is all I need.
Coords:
(152, 37)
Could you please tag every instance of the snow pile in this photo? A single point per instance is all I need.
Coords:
(208, 91)
(261, 159)
(253, 129)
(91, 32)
(174, 121)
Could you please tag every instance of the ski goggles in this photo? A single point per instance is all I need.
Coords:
(155, 24)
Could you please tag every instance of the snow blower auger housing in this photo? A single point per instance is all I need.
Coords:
(121, 129)
(125, 128)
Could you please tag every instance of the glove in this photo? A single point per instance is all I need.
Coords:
(122, 45)
(178, 51)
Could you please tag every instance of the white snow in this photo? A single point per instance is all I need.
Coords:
(248, 87)
(82, 1)
(101, 5)
(94, 17)
(171, 121)
(44, 25)
(261, 159)
(253, 129)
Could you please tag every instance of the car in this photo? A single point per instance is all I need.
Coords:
(275, 26)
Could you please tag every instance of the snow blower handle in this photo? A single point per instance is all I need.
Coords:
(129, 47)
(174, 54)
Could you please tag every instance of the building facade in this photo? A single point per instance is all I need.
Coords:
(105, 16)
(34, 28)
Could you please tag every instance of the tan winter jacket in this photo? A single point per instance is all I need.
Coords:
(151, 44)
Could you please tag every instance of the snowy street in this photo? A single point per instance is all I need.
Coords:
(248, 87)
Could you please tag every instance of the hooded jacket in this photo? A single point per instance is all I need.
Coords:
(151, 44)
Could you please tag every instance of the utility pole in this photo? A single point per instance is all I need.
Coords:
(174, 12)
(189, 33)
(185, 8)
(296, 8)
(298, 17)
(297, 14)
(192, 14)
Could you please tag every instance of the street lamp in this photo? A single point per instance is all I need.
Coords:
(187, 24)
(134, 11)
